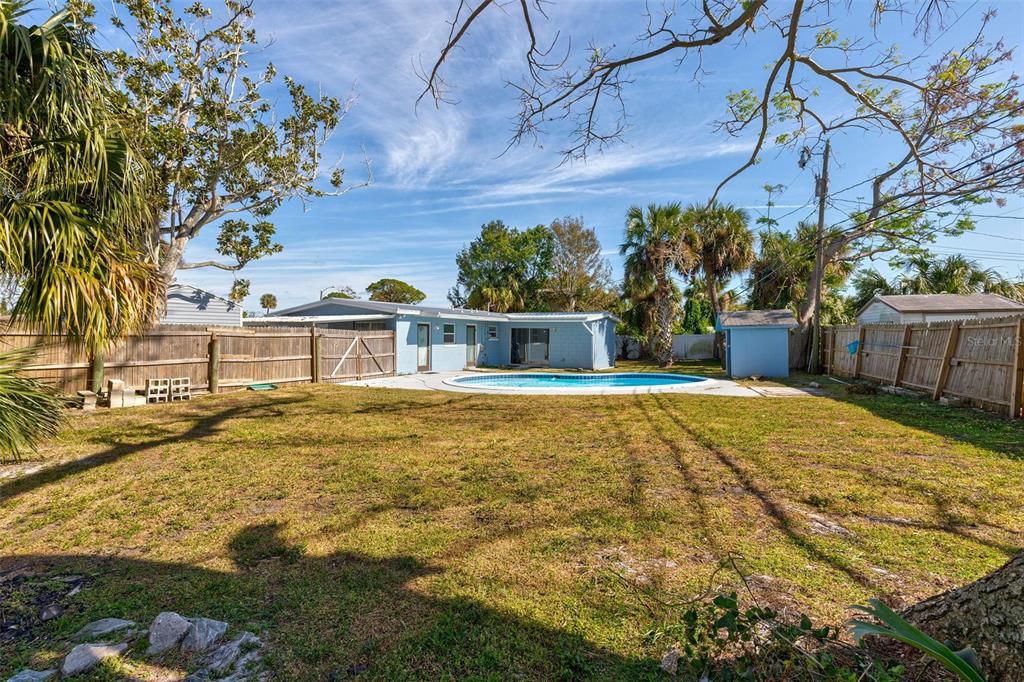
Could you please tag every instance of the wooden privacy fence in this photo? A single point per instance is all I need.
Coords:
(216, 359)
(978, 361)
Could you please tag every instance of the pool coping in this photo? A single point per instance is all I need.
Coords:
(699, 384)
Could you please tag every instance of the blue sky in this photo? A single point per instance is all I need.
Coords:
(440, 173)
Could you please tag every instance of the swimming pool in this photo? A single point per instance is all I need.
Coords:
(614, 382)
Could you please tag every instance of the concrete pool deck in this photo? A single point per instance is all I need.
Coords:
(439, 382)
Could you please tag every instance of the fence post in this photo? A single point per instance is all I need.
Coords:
(830, 347)
(359, 356)
(902, 361)
(96, 372)
(859, 357)
(314, 353)
(1017, 378)
(947, 357)
(213, 374)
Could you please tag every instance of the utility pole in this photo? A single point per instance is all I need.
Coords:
(821, 190)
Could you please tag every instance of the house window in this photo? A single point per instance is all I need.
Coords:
(370, 326)
(449, 333)
(492, 332)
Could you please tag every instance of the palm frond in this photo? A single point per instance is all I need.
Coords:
(29, 411)
(76, 195)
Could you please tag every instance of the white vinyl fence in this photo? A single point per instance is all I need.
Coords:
(684, 347)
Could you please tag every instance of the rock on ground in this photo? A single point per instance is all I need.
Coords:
(247, 667)
(101, 628)
(50, 611)
(670, 661)
(203, 633)
(223, 657)
(33, 676)
(167, 630)
(85, 656)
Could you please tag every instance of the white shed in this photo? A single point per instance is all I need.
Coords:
(936, 308)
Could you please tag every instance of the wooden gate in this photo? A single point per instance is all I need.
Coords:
(347, 355)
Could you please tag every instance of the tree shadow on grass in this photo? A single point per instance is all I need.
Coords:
(774, 511)
(792, 527)
(328, 618)
(208, 424)
(410, 405)
(987, 431)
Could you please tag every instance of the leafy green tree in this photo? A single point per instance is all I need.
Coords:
(766, 220)
(343, 292)
(225, 152)
(657, 246)
(394, 291)
(504, 269)
(580, 275)
(268, 302)
(239, 290)
(725, 245)
(698, 313)
(781, 272)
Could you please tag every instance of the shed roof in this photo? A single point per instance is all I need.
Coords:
(756, 318)
(948, 303)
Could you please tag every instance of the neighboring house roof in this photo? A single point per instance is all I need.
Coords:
(947, 303)
(756, 318)
(430, 311)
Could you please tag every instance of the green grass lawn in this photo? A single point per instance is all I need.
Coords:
(420, 535)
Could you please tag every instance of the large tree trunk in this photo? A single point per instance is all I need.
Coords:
(986, 615)
(171, 257)
(712, 292)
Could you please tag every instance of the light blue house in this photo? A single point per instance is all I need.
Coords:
(756, 342)
(448, 339)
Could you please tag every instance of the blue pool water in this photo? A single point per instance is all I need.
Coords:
(539, 380)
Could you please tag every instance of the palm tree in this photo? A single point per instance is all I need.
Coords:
(954, 274)
(725, 245)
(657, 245)
(75, 194)
(268, 302)
(74, 199)
(866, 285)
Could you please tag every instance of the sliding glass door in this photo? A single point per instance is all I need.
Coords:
(530, 346)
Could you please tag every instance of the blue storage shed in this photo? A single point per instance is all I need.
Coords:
(756, 342)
